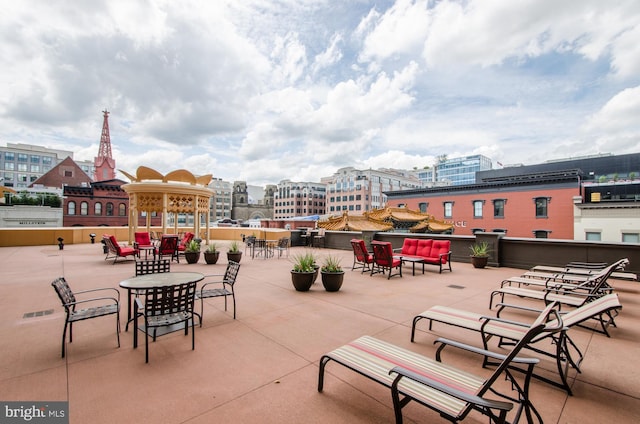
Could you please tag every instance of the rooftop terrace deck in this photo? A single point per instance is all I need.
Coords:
(263, 366)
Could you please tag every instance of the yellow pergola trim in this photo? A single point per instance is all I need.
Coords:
(178, 191)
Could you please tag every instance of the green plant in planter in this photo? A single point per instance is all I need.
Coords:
(331, 264)
(211, 254)
(193, 247)
(332, 274)
(234, 247)
(480, 250)
(192, 252)
(480, 254)
(304, 263)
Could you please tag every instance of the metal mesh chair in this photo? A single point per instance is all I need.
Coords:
(164, 306)
(105, 305)
(226, 290)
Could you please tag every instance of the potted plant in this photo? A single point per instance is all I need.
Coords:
(211, 254)
(479, 254)
(234, 253)
(332, 274)
(303, 272)
(192, 252)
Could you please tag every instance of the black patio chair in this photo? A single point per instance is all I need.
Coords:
(228, 282)
(106, 305)
(164, 306)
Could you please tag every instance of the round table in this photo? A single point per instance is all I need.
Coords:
(163, 279)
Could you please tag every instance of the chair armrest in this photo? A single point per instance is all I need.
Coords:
(502, 306)
(506, 321)
(100, 289)
(95, 299)
(447, 342)
(221, 281)
(466, 397)
(397, 250)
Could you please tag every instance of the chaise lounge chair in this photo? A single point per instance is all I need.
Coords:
(572, 296)
(602, 310)
(445, 389)
(566, 281)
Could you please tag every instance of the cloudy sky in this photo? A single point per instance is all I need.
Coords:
(265, 90)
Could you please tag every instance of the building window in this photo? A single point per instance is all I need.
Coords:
(122, 209)
(22, 157)
(9, 166)
(630, 238)
(541, 233)
(84, 208)
(97, 208)
(423, 207)
(448, 209)
(477, 208)
(593, 236)
(542, 204)
(498, 208)
(9, 156)
(71, 208)
(68, 173)
(109, 209)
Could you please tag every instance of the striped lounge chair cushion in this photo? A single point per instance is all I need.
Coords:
(542, 295)
(375, 358)
(473, 321)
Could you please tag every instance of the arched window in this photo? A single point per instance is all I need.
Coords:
(97, 208)
(122, 209)
(84, 208)
(71, 208)
(109, 209)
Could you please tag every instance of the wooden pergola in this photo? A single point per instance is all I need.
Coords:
(176, 192)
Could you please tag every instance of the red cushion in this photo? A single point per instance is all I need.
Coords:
(142, 239)
(441, 247)
(424, 248)
(122, 251)
(409, 246)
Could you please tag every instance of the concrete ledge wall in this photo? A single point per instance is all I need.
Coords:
(75, 235)
(512, 252)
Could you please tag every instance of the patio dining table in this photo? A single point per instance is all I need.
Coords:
(147, 281)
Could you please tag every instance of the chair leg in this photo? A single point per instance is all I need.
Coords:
(193, 333)
(234, 305)
(64, 336)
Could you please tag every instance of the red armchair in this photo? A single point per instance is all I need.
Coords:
(384, 260)
(362, 259)
(115, 251)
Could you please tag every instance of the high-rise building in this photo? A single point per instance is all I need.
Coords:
(455, 171)
(357, 191)
(221, 200)
(298, 199)
(22, 164)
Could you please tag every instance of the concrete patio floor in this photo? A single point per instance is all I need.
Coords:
(263, 366)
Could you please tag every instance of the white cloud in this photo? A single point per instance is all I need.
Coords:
(619, 114)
